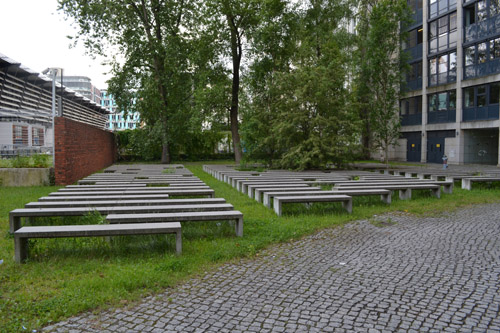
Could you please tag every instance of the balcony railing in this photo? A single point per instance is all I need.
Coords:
(413, 85)
(489, 112)
(483, 29)
(415, 52)
(486, 68)
(411, 119)
(446, 116)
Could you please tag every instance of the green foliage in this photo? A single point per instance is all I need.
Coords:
(33, 161)
(302, 117)
(382, 69)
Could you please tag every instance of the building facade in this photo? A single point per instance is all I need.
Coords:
(451, 101)
(118, 120)
(82, 85)
(26, 121)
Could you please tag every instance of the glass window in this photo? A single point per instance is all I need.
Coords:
(495, 48)
(453, 60)
(494, 93)
(442, 97)
(494, 7)
(433, 103)
(443, 64)
(433, 66)
(481, 11)
(469, 55)
(453, 100)
(470, 15)
(469, 97)
(481, 96)
(481, 53)
(443, 25)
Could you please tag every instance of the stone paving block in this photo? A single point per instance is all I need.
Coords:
(420, 274)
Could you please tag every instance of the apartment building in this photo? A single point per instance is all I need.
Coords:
(451, 101)
(118, 120)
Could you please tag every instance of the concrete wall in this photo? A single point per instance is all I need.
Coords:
(25, 176)
(81, 150)
(481, 146)
(452, 150)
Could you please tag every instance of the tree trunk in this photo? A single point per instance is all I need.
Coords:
(165, 154)
(236, 53)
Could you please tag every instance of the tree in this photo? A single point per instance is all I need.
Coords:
(382, 69)
(273, 44)
(315, 124)
(155, 70)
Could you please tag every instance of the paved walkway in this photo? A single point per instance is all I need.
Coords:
(407, 274)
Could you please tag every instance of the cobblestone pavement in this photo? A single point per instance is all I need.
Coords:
(406, 274)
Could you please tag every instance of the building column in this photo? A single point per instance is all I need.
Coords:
(460, 138)
(425, 78)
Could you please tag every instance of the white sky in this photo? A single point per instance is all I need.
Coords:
(33, 32)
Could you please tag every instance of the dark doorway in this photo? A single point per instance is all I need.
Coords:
(435, 145)
(435, 150)
(413, 146)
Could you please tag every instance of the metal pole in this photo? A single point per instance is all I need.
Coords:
(54, 74)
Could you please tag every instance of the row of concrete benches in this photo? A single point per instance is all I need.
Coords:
(130, 208)
(294, 188)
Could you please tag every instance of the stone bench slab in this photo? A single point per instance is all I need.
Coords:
(131, 202)
(345, 199)
(22, 235)
(186, 216)
(16, 214)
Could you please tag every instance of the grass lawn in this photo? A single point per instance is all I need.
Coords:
(66, 276)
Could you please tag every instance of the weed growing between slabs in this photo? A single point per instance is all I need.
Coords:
(66, 276)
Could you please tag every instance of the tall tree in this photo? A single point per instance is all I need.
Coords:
(150, 36)
(234, 20)
(382, 69)
(315, 124)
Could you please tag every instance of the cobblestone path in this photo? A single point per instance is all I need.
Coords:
(406, 274)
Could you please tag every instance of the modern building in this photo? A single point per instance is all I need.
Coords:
(82, 85)
(26, 121)
(451, 101)
(117, 120)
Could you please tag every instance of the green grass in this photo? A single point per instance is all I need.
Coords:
(66, 276)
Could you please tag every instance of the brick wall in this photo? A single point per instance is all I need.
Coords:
(81, 150)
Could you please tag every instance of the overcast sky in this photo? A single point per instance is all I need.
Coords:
(33, 33)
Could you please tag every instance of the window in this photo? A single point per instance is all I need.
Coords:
(481, 96)
(37, 136)
(443, 69)
(469, 97)
(482, 58)
(442, 107)
(443, 33)
(20, 135)
(495, 48)
(438, 7)
(494, 93)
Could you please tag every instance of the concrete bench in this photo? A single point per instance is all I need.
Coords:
(172, 192)
(385, 195)
(404, 190)
(94, 188)
(345, 199)
(447, 185)
(253, 188)
(22, 235)
(185, 216)
(259, 192)
(267, 196)
(148, 190)
(131, 202)
(467, 182)
(16, 214)
(104, 197)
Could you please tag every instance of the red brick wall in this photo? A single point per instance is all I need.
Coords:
(81, 150)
